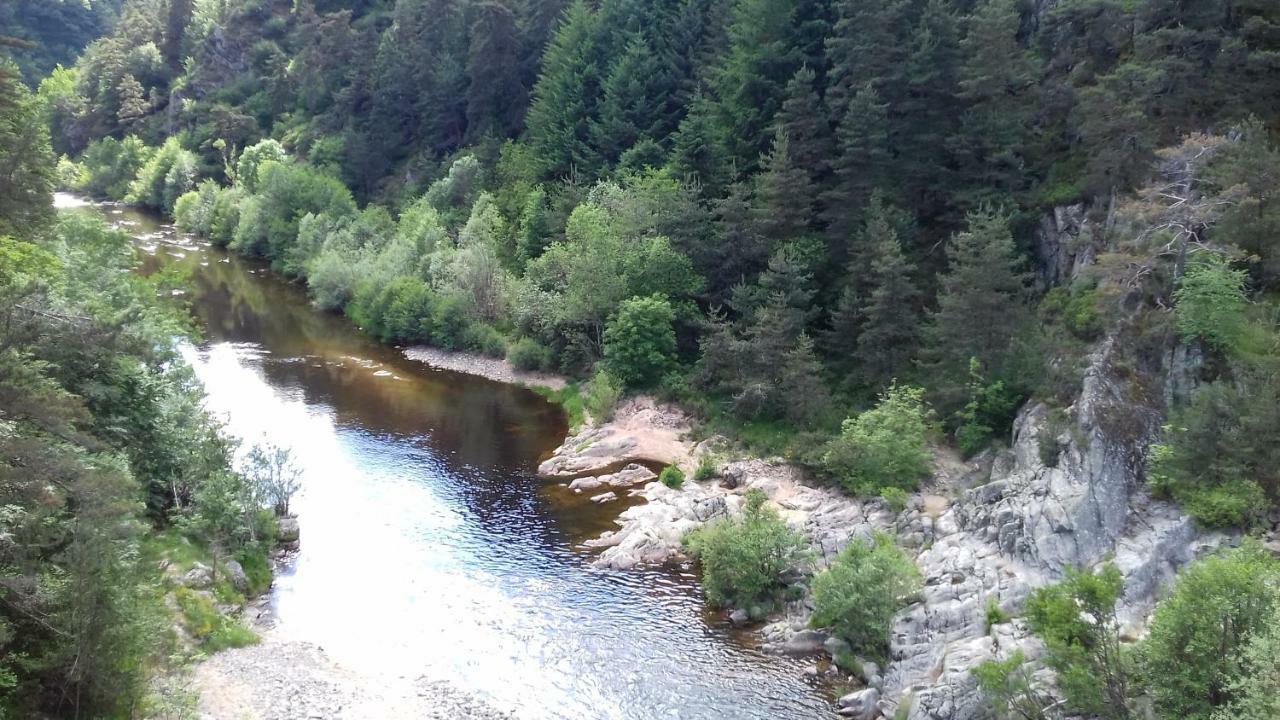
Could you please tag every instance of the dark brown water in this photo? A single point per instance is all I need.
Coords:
(428, 546)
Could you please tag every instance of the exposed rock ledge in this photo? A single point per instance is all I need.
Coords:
(993, 529)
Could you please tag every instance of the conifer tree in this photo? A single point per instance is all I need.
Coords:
(698, 154)
(929, 113)
(862, 162)
(565, 98)
(804, 120)
(890, 331)
(784, 194)
(982, 304)
(867, 47)
(495, 95)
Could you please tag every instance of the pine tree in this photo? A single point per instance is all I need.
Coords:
(495, 95)
(929, 114)
(749, 85)
(804, 396)
(863, 163)
(784, 194)
(997, 81)
(890, 329)
(698, 153)
(636, 92)
(738, 250)
(804, 120)
(566, 97)
(867, 47)
(175, 32)
(981, 308)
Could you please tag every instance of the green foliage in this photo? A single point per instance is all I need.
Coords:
(1009, 688)
(167, 174)
(25, 156)
(639, 342)
(528, 354)
(251, 161)
(1189, 659)
(895, 497)
(110, 166)
(988, 414)
(857, 597)
(1076, 308)
(743, 559)
(706, 468)
(1255, 694)
(1076, 618)
(884, 446)
(1211, 303)
(214, 630)
(993, 614)
(268, 223)
(600, 395)
(672, 477)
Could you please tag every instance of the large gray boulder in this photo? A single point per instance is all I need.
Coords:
(235, 575)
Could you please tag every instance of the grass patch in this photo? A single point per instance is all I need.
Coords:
(178, 549)
(672, 477)
(211, 628)
(257, 567)
(569, 398)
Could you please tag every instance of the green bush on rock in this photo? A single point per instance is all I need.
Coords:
(884, 446)
(857, 596)
(743, 559)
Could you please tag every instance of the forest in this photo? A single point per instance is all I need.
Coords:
(815, 223)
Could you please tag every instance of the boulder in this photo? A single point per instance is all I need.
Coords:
(861, 705)
(199, 576)
(235, 575)
(604, 497)
(739, 616)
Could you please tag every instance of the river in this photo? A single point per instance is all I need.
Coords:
(429, 548)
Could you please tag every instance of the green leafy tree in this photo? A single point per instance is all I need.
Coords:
(1256, 692)
(857, 597)
(640, 342)
(884, 446)
(1076, 618)
(743, 559)
(1189, 659)
(26, 161)
(1211, 303)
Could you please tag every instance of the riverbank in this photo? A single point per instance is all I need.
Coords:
(280, 678)
(496, 369)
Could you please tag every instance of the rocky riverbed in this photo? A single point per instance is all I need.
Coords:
(284, 679)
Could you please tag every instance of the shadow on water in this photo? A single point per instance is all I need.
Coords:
(428, 546)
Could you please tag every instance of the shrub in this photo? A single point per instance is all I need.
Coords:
(743, 559)
(1211, 303)
(1076, 618)
(111, 165)
(168, 172)
(988, 413)
(706, 469)
(994, 615)
(528, 354)
(1255, 695)
(639, 342)
(284, 193)
(193, 212)
(214, 630)
(450, 320)
(485, 339)
(895, 498)
(1008, 687)
(857, 597)
(253, 158)
(884, 446)
(601, 395)
(1216, 605)
(672, 477)
(224, 216)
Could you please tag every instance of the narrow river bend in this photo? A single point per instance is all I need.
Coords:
(428, 546)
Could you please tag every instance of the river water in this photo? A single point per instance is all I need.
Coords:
(429, 548)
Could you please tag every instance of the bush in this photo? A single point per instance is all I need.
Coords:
(639, 342)
(883, 447)
(743, 559)
(485, 339)
(1076, 618)
(989, 412)
(706, 469)
(1255, 695)
(895, 498)
(857, 597)
(193, 212)
(601, 395)
(1216, 605)
(253, 158)
(399, 312)
(284, 193)
(672, 477)
(110, 166)
(450, 320)
(1211, 303)
(224, 216)
(214, 630)
(528, 354)
(167, 174)
(1009, 688)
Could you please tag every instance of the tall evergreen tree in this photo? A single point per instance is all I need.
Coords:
(890, 331)
(698, 154)
(926, 119)
(637, 99)
(862, 163)
(867, 45)
(565, 98)
(804, 120)
(495, 94)
(982, 305)
(784, 194)
(997, 81)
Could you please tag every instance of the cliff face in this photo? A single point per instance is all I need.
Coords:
(1067, 493)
